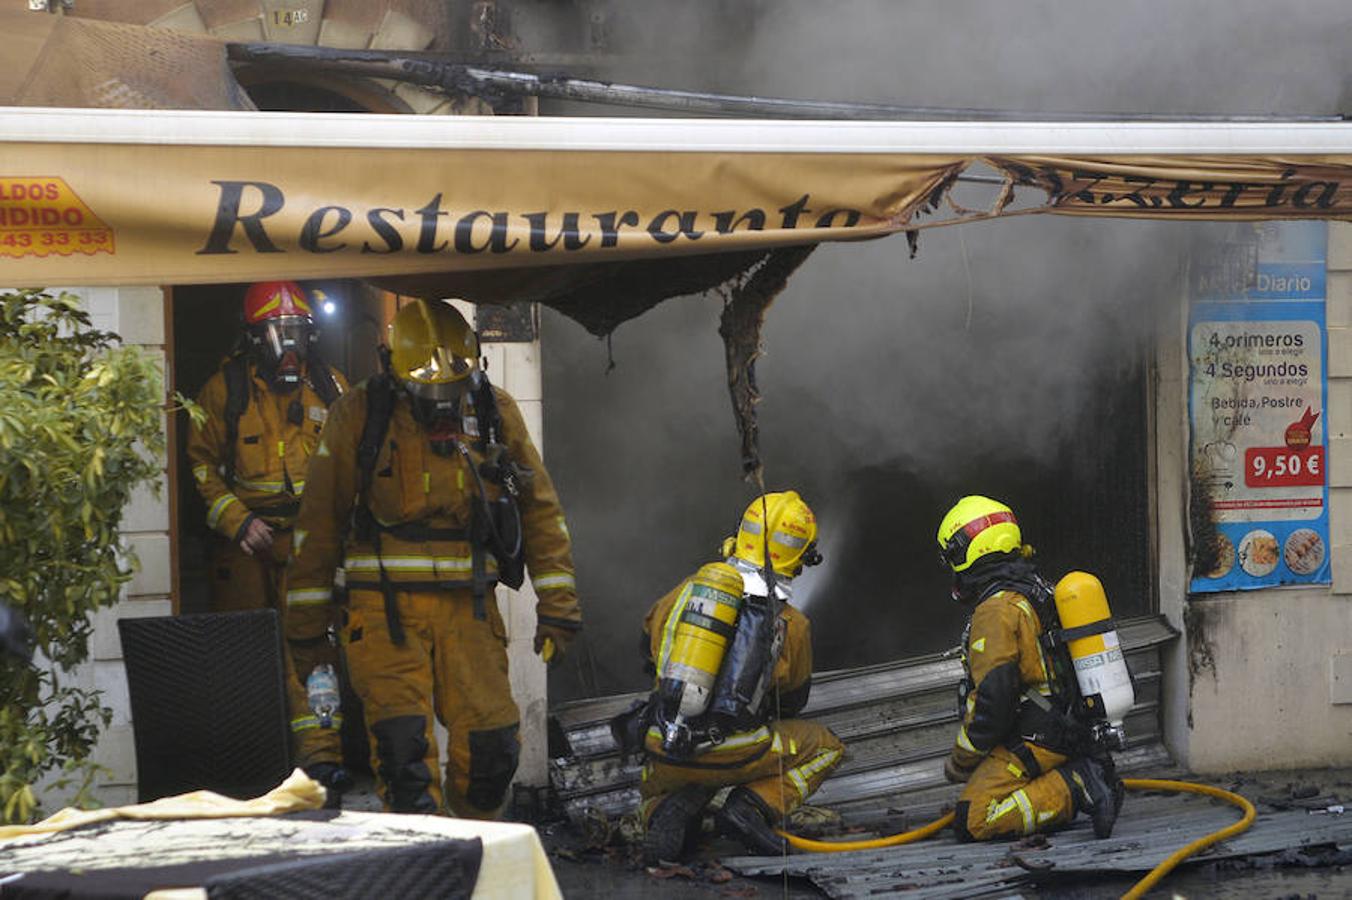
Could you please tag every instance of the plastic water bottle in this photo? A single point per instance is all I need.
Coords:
(322, 690)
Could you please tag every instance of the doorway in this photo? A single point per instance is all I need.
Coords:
(351, 317)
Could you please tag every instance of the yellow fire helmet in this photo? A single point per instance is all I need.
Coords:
(974, 527)
(433, 351)
(792, 532)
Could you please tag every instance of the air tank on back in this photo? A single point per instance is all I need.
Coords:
(704, 625)
(1096, 652)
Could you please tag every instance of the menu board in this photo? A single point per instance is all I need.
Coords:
(1256, 344)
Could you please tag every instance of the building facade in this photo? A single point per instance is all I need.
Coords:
(1258, 678)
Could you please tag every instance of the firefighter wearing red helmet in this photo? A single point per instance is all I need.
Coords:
(265, 407)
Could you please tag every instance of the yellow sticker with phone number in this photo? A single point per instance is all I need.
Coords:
(42, 215)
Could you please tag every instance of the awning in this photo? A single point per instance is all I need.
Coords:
(599, 217)
(130, 197)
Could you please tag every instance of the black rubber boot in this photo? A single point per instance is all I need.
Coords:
(746, 817)
(1096, 790)
(674, 824)
(336, 780)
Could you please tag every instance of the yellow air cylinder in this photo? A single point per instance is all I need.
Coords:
(707, 620)
(1105, 682)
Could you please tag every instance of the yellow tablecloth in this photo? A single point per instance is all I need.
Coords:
(210, 826)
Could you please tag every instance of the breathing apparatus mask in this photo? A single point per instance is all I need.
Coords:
(281, 348)
(280, 329)
(437, 408)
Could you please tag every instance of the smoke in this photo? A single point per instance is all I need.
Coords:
(1008, 358)
(1224, 56)
(815, 582)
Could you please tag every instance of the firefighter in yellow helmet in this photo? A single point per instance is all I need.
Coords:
(265, 407)
(733, 665)
(1025, 764)
(447, 496)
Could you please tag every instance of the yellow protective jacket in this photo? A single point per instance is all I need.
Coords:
(793, 668)
(271, 452)
(1004, 660)
(418, 497)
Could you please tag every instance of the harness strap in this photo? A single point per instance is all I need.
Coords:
(236, 371)
(322, 381)
(288, 510)
(417, 531)
(1084, 631)
(309, 641)
(368, 525)
(392, 621)
(1038, 700)
(1073, 728)
(694, 764)
(483, 530)
(479, 576)
(1024, 754)
(379, 409)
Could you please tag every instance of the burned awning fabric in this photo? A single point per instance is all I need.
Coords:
(1276, 186)
(64, 61)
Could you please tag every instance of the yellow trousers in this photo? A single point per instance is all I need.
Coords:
(1009, 796)
(451, 666)
(783, 763)
(242, 582)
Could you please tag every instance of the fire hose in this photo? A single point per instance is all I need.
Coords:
(1135, 784)
(1167, 866)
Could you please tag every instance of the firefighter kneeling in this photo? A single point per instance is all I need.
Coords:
(733, 660)
(1037, 727)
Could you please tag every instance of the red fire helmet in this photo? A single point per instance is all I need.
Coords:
(274, 300)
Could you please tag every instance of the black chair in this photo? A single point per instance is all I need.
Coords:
(208, 703)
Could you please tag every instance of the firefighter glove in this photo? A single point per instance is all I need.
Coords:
(954, 772)
(551, 642)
